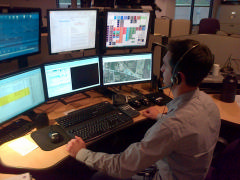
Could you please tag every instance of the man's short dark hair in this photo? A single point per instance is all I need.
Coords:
(195, 64)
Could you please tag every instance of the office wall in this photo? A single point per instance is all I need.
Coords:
(168, 8)
(229, 17)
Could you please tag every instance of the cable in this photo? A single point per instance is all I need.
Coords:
(165, 105)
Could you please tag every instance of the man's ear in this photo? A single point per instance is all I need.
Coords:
(181, 77)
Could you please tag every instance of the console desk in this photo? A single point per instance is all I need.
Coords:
(40, 160)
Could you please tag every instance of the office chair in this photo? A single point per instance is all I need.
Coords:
(209, 26)
(227, 164)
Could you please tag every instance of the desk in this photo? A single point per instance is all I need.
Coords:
(228, 111)
(39, 159)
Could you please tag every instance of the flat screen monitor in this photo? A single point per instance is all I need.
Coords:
(72, 30)
(127, 29)
(71, 76)
(20, 92)
(126, 69)
(19, 33)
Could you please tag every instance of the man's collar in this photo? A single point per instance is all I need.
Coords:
(181, 99)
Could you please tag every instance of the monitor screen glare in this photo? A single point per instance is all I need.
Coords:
(126, 29)
(72, 30)
(19, 93)
(19, 34)
(67, 77)
(123, 69)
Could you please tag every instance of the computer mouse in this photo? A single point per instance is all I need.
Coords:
(145, 101)
(55, 137)
(135, 103)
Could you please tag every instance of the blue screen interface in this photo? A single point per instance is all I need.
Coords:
(19, 34)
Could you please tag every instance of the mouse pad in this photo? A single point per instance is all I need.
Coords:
(41, 137)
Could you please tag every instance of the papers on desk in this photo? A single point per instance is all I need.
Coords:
(25, 176)
(237, 99)
(22, 146)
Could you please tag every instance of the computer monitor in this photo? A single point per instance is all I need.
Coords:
(72, 30)
(127, 29)
(20, 92)
(126, 69)
(67, 77)
(19, 34)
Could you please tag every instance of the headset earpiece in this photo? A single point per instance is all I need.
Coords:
(176, 79)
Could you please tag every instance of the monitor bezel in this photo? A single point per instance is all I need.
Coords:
(125, 10)
(70, 9)
(5, 76)
(71, 93)
(24, 10)
(127, 83)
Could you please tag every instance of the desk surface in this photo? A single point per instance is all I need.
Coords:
(228, 111)
(39, 159)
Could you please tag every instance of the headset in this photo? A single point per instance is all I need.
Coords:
(175, 78)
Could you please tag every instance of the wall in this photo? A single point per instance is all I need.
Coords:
(229, 22)
(168, 8)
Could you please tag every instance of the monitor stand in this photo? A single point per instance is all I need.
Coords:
(106, 92)
(39, 120)
(31, 114)
(22, 62)
(66, 101)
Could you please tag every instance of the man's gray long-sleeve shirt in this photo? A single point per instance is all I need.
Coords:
(180, 143)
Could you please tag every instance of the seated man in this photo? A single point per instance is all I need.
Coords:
(181, 142)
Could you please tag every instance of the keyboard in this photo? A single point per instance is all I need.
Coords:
(100, 126)
(84, 114)
(15, 130)
(94, 121)
(158, 98)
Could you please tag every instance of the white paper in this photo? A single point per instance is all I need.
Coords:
(25, 176)
(237, 99)
(22, 146)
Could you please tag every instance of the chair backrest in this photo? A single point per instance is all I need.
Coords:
(209, 26)
(227, 166)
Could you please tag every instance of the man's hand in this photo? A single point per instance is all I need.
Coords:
(151, 113)
(75, 145)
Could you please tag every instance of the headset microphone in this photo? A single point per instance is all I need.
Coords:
(165, 87)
